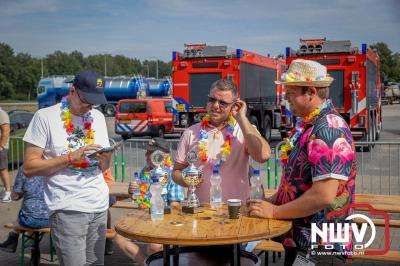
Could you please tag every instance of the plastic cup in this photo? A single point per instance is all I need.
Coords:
(234, 206)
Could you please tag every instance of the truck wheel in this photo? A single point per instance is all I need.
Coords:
(109, 110)
(267, 128)
(254, 121)
(374, 127)
(160, 132)
(377, 128)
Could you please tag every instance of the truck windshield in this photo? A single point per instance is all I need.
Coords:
(200, 84)
(336, 90)
(132, 107)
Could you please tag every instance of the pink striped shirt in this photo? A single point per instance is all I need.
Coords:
(234, 171)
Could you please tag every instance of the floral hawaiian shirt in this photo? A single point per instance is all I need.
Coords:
(324, 150)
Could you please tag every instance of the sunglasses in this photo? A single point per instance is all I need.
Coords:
(221, 103)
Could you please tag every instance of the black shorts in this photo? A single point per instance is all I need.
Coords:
(3, 159)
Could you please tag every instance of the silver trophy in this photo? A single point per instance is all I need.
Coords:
(157, 158)
(192, 176)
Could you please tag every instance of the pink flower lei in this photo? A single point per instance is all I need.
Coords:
(226, 147)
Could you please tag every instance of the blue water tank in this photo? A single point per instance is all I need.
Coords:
(159, 88)
(122, 88)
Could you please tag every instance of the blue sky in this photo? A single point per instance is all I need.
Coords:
(155, 28)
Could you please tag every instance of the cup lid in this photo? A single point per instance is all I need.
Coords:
(234, 202)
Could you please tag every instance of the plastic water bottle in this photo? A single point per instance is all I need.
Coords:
(215, 190)
(156, 202)
(256, 191)
(136, 192)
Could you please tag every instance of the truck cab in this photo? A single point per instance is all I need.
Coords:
(144, 117)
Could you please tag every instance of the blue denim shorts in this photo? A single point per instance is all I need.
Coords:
(32, 222)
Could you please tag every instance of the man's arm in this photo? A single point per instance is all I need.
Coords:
(177, 174)
(257, 146)
(5, 134)
(319, 196)
(35, 165)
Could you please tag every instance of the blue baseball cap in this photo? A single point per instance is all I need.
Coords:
(91, 86)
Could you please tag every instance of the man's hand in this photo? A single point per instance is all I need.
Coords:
(239, 109)
(104, 160)
(260, 208)
(132, 187)
(177, 174)
(80, 153)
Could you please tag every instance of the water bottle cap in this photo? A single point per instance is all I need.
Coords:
(155, 180)
(136, 174)
(215, 172)
(256, 172)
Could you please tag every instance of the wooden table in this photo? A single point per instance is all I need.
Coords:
(202, 229)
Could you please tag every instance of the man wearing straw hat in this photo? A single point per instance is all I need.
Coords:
(318, 166)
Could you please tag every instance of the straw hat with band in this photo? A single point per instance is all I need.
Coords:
(306, 73)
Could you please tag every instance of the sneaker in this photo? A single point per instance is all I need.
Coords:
(109, 250)
(6, 196)
(10, 245)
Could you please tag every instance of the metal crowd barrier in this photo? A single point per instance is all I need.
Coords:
(378, 170)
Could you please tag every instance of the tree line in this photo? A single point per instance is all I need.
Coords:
(20, 73)
(390, 62)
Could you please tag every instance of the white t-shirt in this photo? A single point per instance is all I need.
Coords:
(4, 119)
(68, 189)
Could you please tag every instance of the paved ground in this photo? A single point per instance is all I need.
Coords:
(378, 172)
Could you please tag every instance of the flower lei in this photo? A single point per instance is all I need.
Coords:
(77, 137)
(168, 162)
(298, 130)
(143, 201)
(226, 147)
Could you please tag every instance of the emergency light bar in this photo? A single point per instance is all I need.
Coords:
(316, 46)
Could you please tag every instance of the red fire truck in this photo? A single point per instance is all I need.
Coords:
(356, 90)
(200, 65)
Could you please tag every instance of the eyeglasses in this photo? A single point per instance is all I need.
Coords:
(82, 100)
(221, 103)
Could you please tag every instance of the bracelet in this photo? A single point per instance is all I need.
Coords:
(69, 158)
(274, 208)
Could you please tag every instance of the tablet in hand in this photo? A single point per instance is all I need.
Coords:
(106, 149)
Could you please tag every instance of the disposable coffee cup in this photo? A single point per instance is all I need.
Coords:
(234, 208)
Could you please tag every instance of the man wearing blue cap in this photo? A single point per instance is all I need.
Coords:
(59, 138)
